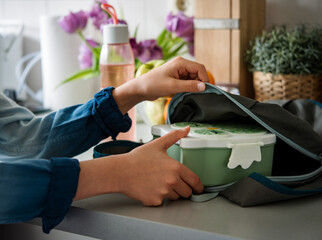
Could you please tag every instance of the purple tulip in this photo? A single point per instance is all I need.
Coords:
(181, 25)
(73, 22)
(96, 8)
(146, 50)
(98, 16)
(85, 56)
(110, 21)
(136, 48)
(150, 51)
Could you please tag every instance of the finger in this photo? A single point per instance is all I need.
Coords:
(172, 137)
(183, 189)
(190, 178)
(173, 195)
(190, 68)
(189, 86)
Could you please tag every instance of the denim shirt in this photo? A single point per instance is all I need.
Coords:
(38, 176)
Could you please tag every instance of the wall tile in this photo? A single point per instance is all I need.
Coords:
(292, 12)
(148, 15)
(1, 9)
(26, 10)
(156, 16)
(60, 7)
(133, 11)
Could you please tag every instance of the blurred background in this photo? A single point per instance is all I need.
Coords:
(149, 15)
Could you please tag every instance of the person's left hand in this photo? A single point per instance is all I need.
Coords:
(149, 175)
(162, 81)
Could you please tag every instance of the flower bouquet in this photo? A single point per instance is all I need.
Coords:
(176, 39)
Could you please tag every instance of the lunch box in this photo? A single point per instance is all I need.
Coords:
(222, 152)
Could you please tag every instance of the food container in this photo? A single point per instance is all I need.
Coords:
(221, 153)
(114, 148)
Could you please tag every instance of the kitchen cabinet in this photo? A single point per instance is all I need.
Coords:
(223, 29)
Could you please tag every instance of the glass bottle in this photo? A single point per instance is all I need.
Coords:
(117, 65)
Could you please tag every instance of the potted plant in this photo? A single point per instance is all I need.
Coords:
(287, 63)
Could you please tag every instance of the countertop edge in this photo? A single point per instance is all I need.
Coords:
(90, 223)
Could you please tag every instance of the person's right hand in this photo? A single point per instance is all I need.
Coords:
(151, 176)
(177, 75)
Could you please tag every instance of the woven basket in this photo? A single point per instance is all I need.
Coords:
(287, 86)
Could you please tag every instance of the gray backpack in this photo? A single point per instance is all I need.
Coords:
(297, 162)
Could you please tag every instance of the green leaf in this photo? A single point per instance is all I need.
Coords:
(138, 63)
(175, 51)
(166, 40)
(95, 63)
(161, 37)
(296, 50)
(83, 74)
(136, 31)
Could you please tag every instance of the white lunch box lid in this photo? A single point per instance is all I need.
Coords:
(217, 135)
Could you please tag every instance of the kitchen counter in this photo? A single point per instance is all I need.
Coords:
(115, 216)
(215, 219)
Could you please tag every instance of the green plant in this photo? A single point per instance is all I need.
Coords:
(296, 50)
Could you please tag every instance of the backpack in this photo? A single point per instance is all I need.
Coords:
(297, 161)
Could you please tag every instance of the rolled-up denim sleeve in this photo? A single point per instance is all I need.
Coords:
(33, 188)
(63, 133)
(38, 176)
(105, 107)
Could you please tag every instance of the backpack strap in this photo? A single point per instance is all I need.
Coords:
(267, 191)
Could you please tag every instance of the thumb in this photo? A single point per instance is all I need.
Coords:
(190, 86)
(172, 137)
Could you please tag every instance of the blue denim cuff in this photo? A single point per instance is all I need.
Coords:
(108, 115)
(62, 190)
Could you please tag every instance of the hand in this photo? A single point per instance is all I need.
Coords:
(150, 175)
(146, 174)
(162, 81)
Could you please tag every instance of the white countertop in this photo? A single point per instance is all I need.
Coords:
(294, 219)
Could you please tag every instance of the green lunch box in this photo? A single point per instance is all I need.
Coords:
(221, 153)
